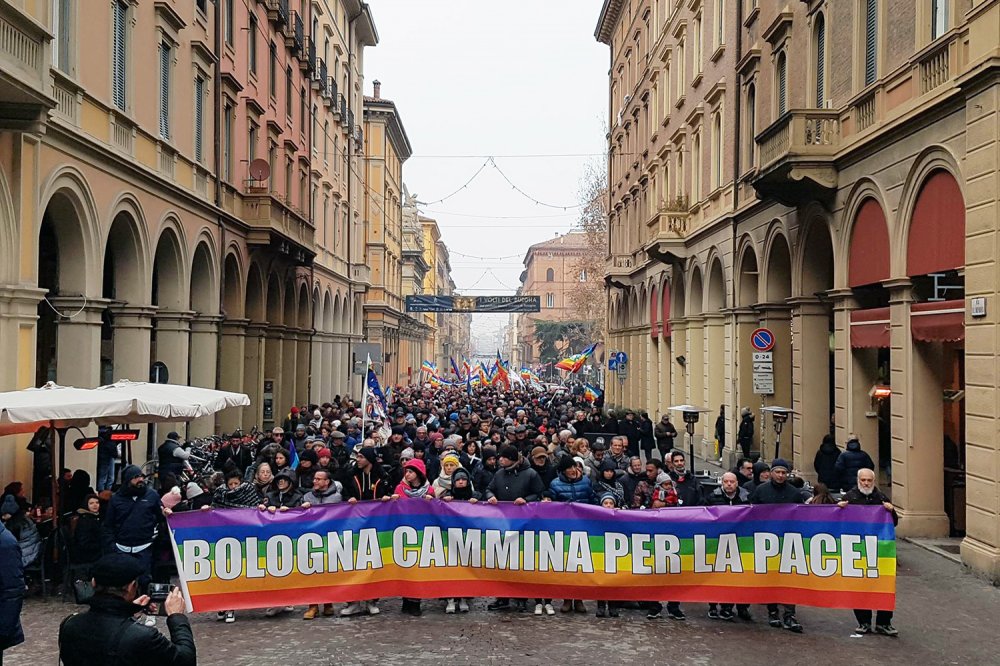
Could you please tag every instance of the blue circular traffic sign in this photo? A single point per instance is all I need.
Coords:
(621, 358)
(762, 339)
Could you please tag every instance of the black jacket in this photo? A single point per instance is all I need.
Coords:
(665, 432)
(11, 590)
(107, 635)
(131, 518)
(718, 498)
(850, 461)
(85, 543)
(369, 485)
(772, 493)
(645, 428)
(689, 490)
(855, 496)
(825, 464)
(239, 459)
(519, 481)
(744, 435)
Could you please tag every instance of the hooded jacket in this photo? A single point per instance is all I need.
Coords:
(688, 488)
(464, 494)
(290, 498)
(758, 469)
(403, 489)
(563, 490)
(132, 515)
(718, 497)
(613, 487)
(88, 639)
(85, 537)
(333, 495)
(367, 485)
(775, 493)
(665, 432)
(825, 463)
(850, 461)
(11, 590)
(517, 481)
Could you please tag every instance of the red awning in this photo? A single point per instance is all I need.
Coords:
(654, 325)
(665, 312)
(870, 328)
(938, 321)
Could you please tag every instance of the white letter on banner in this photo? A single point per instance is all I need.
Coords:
(279, 556)
(701, 564)
(253, 559)
(465, 547)
(309, 555)
(793, 555)
(849, 555)
(550, 551)
(727, 555)
(432, 548)
(821, 549)
(528, 551)
(640, 551)
(615, 546)
(579, 559)
(502, 549)
(403, 538)
(228, 558)
(369, 553)
(197, 565)
(340, 551)
(666, 553)
(765, 545)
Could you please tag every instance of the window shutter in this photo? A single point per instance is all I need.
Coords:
(63, 35)
(820, 63)
(164, 90)
(199, 118)
(871, 41)
(782, 85)
(118, 56)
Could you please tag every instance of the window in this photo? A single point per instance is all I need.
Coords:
(326, 141)
(939, 18)
(62, 27)
(681, 69)
(227, 141)
(288, 181)
(550, 300)
(202, 6)
(820, 59)
(252, 141)
(272, 162)
(550, 275)
(871, 41)
(302, 110)
(252, 43)
(696, 167)
(288, 92)
(227, 22)
(199, 118)
(751, 120)
(315, 124)
(272, 70)
(165, 56)
(583, 275)
(720, 22)
(697, 46)
(119, 54)
(717, 151)
(781, 88)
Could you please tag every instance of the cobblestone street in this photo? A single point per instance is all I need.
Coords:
(945, 616)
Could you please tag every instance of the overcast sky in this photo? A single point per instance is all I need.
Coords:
(473, 79)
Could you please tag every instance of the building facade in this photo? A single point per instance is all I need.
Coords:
(552, 271)
(202, 217)
(416, 331)
(853, 215)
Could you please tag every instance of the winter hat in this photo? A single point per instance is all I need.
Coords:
(407, 454)
(461, 473)
(174, 436)
(662, 477)
(508, 452)
(489, 452)
(301, 426)
(336, 434)
(398, 430)
(287, 475)
(565, 462)
(310, 455)
(192, 490)
(417, 466)
(609, 496)
(323, 453)
(130, 473)
(294, 410)
(539, 451)
(452, 458)
(780, 462)
(608, 465)
(369, 453)
(116, 570)
(599, 445)
(436, 436)
(172, 498)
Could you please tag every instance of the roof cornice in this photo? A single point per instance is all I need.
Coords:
(610, 13)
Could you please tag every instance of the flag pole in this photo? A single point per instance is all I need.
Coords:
(364, 396)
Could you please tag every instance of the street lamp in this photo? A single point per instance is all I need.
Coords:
(779, 415)
(691, 416)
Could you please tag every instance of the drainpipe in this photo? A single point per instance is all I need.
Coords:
(350, 207)
(217, 150)
(737, 145)
(310, 140)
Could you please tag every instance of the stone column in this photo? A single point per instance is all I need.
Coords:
(232, 361)
(696, 374)
(274, 361)
(317, 384)
(173, 338)
(776, 317)
(855, 371)
(665, 379)
(917, 423)
(715, 372)
(745, 323)
(678, 347)
(204, 365)
(254, 358)
(811, 382)
(133, 325)
(18, 317)
(289, 370)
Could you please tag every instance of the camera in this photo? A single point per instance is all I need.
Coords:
(158, 593)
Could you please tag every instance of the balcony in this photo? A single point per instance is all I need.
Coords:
(25, 98)
(797, 157)
(330, 94)
(361, 277)
(276, 224)
(277, 12)
(310, 53)
(320, 80)
(295, 33)
(619, 270)
(666, 229)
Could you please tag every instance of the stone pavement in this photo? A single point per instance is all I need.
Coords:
(945, 616)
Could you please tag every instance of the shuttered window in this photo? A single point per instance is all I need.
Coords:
(119, 53)
(165, 90)
(63, 25)
(252, 43)
(227, 24)
(272, 67)
(871, 41)
(199, 118)
(227, 142)
(820, 62)
(782, 84)
(939, 18)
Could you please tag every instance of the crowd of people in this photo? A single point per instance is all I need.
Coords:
(490, 446)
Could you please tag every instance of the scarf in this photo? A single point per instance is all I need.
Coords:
(417, 492)
(444, 480)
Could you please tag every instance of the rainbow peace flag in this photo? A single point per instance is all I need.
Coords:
(575, 362)
(591, 393)
(429, 368)
(792, 554)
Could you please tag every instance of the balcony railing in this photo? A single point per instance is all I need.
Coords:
(330, 94)
(277, 11)
(320, 79)
(311, 54)
(266, 211)
(805, 140)
(295, 33)
(935, 67)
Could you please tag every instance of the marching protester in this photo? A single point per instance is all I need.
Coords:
(729, 493)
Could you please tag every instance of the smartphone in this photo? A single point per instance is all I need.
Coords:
(158, 593)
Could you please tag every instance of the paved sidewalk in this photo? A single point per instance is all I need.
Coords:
(945, 616)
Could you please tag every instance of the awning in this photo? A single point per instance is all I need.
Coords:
(870, 328)
(938, 321)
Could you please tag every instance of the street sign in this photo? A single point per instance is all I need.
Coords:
(621, 357)
(762, 339)
(762, 357)
(613, 361)
(763, 367)
(622, 372)
(763, 383)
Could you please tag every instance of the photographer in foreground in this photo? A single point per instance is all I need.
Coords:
(108, 633)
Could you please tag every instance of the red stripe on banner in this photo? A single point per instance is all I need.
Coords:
(439, 589)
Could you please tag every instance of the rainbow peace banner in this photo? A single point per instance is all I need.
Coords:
(813, 555)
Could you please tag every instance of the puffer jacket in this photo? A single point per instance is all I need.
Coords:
(132, 516)
(719, 498)
(563, 490)
(333, 495)
(774, 493)
(850, 462)
(11, 590)
(519, 481)
(825, 463)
